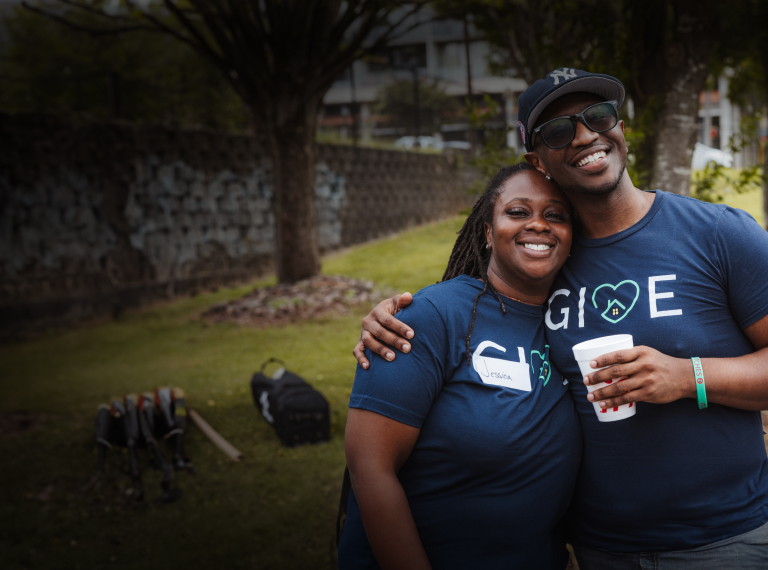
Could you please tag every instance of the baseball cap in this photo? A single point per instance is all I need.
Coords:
(557, 83)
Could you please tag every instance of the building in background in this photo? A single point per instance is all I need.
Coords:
(444, 52)
(720, 123)
(448, 52)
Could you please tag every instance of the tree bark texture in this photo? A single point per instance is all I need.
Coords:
(676, 132)
(686, 58)
(765, 190)
(293, 152)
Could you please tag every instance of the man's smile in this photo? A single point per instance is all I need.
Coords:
(594, 157)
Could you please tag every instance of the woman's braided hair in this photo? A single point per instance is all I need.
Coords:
(469, 255)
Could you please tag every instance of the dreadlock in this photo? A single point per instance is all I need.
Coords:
(469, 255)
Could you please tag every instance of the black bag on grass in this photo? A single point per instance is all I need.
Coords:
(299, 413)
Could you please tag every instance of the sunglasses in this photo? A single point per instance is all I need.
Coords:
(560, 131)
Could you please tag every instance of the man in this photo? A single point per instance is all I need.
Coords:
(684, 482)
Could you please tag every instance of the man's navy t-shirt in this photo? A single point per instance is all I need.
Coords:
(685, 280)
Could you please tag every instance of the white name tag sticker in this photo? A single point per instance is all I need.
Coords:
(498, 372)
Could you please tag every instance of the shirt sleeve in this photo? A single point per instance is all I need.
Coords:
(405, 389)
(742, 250)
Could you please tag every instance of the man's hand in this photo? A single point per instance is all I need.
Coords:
(649, 376)
(738, 382)
(381, 331)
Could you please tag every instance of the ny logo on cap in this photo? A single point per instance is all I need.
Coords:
(521, 126)
(565, 73)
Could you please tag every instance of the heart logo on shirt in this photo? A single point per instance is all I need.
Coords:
(615, 301)
(540, 365)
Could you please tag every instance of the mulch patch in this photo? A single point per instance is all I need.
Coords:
(322, 295)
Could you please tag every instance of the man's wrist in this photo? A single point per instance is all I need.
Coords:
(701, 386)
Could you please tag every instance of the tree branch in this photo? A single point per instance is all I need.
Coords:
(83, 28)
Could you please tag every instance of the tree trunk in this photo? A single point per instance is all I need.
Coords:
(685, 61)
(765, 188)
(297, 254)
(676, 132)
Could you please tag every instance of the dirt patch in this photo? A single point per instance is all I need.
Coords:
(283, 304)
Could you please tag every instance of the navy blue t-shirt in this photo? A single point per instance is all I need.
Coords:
(685, 280)
(492, 472)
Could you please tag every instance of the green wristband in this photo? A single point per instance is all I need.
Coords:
(701, 388)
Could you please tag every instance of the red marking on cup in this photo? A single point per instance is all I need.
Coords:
(616, 408)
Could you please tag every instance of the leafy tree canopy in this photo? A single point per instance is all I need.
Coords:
(402, 100)
(144, 76)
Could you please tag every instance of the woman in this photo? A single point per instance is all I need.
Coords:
(463, 452)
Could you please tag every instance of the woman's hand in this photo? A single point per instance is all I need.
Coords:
(381, 331)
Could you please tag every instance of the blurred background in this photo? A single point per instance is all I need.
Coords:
(164, 162)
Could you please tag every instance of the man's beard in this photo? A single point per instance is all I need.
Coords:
(603, 190)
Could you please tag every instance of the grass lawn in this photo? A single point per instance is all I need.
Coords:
(751, 201)
(275, 509)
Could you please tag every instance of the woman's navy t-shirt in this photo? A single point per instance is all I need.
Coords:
(493, 469)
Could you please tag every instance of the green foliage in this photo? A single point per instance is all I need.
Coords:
(747, 83)
(751, 202)
(140, 76)
(715, 181)
(533, 37)
(642, 43)
(398, 102)
(494, 152)
(637, 132)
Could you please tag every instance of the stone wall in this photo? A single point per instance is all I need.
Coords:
(98, 217)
